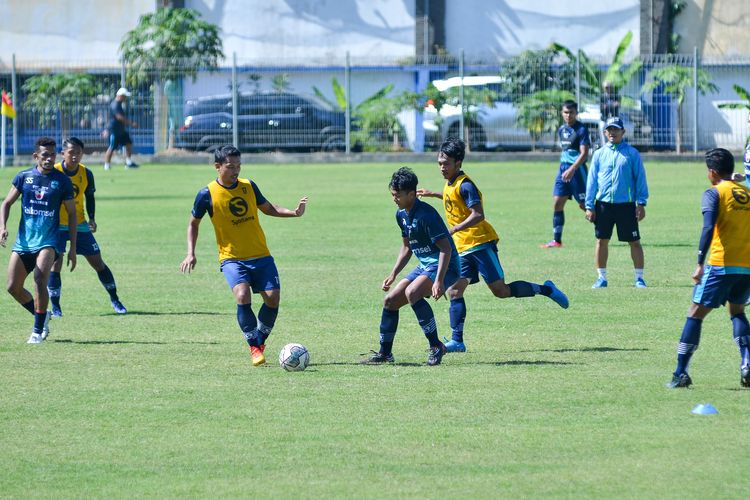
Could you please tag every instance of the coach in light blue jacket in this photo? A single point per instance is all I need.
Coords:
(616, 194)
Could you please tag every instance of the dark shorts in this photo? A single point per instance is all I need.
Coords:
(451, 276)
(621, 214)
(717, 288)
(29, 259)
(119, 139)
(575, 189)
(85, 243)
(261, 274)
(483, 262)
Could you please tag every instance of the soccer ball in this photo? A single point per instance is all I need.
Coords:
(294, 357)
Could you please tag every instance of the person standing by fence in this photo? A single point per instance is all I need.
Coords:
(118, 134)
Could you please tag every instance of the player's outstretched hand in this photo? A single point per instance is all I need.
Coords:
(301, 207)
(72, 260)
(3, 237)
(427, 193)
(188, 264)
(388, 281)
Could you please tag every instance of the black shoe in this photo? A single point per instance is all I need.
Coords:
(378, 358)
(745, 376)
(682, 380)
(436, 355)
(132, 165)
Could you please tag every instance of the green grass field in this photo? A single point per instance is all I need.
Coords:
(164, 402)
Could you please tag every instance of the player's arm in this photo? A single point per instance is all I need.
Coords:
(272, 210)
(710, 209)
(8, 202)
(426, 193)
(188, 264)
(582, 157)
(438, 288)
(70, 206)
(90, 201)
(470, 195)
(641, 188)
(404, 254)
(592, 184)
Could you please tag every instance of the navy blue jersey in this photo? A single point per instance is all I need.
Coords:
(423, 226)
(571, 138)
(41, 199)
(115, 125)
(204, 204)
(747, 164)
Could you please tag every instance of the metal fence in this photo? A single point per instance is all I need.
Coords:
(359, 104)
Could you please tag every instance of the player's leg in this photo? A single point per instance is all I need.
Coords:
(54, 286)
(394, 300)
(457, 311)
(45, 259)
(89, 248)
(129, 163)
(689, 341)
(604, 224)
(627, 230)
(110, 150)
(738, 297)
(268, 312)
(238, 277)
(18, 269)
(561, 192)
(492, 272)
(416, 294)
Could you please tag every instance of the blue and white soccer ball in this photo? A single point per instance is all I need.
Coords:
(294, 357)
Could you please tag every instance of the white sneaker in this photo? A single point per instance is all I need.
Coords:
(45, 328)
(107, 167)
(36, 338)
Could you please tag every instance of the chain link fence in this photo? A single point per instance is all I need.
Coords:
(373, 104)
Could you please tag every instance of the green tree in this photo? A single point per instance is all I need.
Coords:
(167, 46)
(66, 96)
(375, 119)
(539, 113)
(675, 81)
(744, 94)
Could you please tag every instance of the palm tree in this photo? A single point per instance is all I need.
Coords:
(675, 81)
(745, 95)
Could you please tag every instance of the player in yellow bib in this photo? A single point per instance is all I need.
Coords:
(476, 241)
(83, 194)
(723, 272)
(233, 205)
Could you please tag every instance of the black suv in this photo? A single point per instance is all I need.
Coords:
(265, 121)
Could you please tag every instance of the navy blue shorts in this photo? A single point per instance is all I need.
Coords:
(261, 274)
(451, 276)
(621, 214)
(717, 288)
(85, 242)
(119, 139)
(574, 189)
(483, 262)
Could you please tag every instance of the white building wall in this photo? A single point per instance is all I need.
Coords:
(503, 28)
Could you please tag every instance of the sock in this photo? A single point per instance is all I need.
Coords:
(248, 324)
(108, 281)
(741, 332)
(266, 320)
(457, 313)
(601, 272)
(388, 327)
(520, 289)
(39, 319)
(128, 161)
(54, 287)
(558, 221)
(106, 166)
(638, 273)
(426, 319)
(29, 306)
(691, 336)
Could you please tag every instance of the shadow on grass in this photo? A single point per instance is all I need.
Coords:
(518, 362)
(592, 349)
(357, 363)
(670, 245)
(156, 313)
(114, 342)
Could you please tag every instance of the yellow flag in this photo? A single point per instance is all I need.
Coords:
(7, 106)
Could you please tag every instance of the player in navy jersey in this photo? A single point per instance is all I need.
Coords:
(570, 182)
(746, 158)
(43, 191)
(83, 190)
(425, 235)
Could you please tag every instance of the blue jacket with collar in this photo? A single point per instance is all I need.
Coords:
(616, 176)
